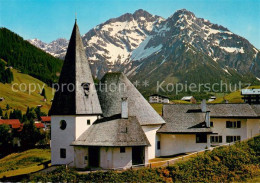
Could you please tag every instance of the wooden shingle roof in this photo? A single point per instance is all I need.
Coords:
(113, 131)
(113, 87)
(188, 118)
(75, 73)
(183, 119)
(231, 111)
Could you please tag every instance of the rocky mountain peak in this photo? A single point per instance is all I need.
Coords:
(142, 13)
(144, 43)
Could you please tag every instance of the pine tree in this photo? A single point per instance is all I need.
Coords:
(43, 93)
(5, 116)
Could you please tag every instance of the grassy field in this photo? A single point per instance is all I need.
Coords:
(23, 163)
(234, 97)
(22, 99)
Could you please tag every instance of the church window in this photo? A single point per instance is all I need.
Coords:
(88, 122)
(122, 149)
(63, 124)
(158, 145)
(62, 153)
(201, 138)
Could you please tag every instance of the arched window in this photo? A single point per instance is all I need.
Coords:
(63, 124)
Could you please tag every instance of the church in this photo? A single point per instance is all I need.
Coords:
(99, 126)
(112, 125)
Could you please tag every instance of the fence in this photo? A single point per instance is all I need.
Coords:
(170, 161)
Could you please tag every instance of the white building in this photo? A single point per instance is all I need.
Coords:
(109, 128)
(155, 98)
(115, 127)
(251, 96)
(192, 127)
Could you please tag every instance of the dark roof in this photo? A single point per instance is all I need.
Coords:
(183, 119)
(159, 96)
(75, 71)
(114, 132)
(114, 86)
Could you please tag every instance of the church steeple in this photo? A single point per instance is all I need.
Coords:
(76, 93)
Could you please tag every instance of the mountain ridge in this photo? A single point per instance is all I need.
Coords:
(172, 48)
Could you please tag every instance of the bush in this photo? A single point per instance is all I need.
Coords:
(223, 164)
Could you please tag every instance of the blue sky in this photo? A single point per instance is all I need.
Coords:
(51, 19)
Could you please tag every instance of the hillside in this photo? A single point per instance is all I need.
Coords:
(22, 55)
(24, 162)
(20, 100)
(234, 97)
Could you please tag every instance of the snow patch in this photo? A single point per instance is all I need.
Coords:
(233, 49)
(142, 52)
(226, 71)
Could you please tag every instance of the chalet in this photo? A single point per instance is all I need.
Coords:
(193, 127)
(46, 120)
(16, 127)
(117, 128)
(13, 123)
(190, 99)
(155, 98)
(251, 96)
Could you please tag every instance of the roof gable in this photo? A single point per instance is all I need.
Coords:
(114, 132)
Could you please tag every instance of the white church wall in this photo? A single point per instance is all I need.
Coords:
(253, 127)
(122, 159)
(150, 132)
(172, 144)
(106, 157)
(157, 151)
(110, 157)
(80, 154)
(62, 139)
(219, 127)
(82, 124)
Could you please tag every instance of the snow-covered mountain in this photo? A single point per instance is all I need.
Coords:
(110, 45)
(187, 48)
(56, 48)
(179, 48)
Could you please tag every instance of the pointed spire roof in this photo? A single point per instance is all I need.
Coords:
(77, 93)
